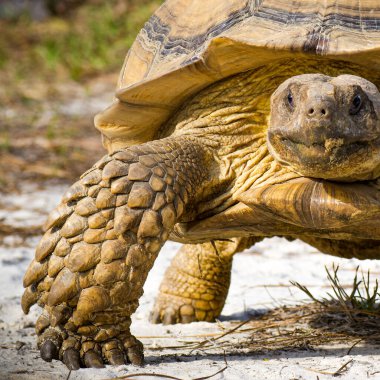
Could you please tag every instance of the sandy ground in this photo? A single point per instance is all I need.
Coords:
(260, 280)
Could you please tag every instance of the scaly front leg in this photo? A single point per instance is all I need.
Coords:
(101, 241)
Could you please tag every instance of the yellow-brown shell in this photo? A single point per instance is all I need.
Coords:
(188, 45)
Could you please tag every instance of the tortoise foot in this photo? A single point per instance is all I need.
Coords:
(195, 285)
(101, 242)
(170, 309)
(80, 351)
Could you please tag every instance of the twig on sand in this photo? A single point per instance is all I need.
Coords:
(338, 372)
(356, 343)
(342, 368)
(212, 340)
(216, 373)
(276, 302)
(132, 375)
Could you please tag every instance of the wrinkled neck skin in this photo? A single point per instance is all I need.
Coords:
(231, 117)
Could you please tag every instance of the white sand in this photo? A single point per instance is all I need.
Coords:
(255, 279)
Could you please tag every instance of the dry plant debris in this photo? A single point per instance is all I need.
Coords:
(24, 232)
(343, 317)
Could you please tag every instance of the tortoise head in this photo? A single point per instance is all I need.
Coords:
(327, 127)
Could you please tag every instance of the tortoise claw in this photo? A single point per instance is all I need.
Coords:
(155, 317)
(93, 360)
(136, 355)
(49, 351)
(170, 317)
(187, 318)
(71, 359)
(116, 357)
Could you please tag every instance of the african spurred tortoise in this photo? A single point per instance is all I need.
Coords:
(233, 121)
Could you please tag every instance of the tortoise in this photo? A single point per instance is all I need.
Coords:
(233, 121)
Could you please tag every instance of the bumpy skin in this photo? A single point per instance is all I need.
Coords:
(101, 242)
(196, 284)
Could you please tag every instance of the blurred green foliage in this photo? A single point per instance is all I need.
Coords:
(94, 38)
(56, 62)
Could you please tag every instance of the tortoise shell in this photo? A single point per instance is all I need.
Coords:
(188, 45)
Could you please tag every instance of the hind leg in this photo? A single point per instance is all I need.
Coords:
(196, 284)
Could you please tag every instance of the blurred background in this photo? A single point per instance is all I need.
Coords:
(59, 62)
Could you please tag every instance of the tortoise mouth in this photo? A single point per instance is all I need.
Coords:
(336, 158)
(315, 149)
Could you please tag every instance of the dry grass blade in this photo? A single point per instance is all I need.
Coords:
(6, 230)
(306, 291)
(355, 344)
(342, 368)
(132, 375)
(212, 340)
(140, 374)
(216, 373)
(354, 302)
(338, 372)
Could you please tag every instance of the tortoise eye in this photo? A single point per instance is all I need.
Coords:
(356, 104)
(290, 99)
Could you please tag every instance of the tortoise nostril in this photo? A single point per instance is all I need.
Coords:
(318, 111)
